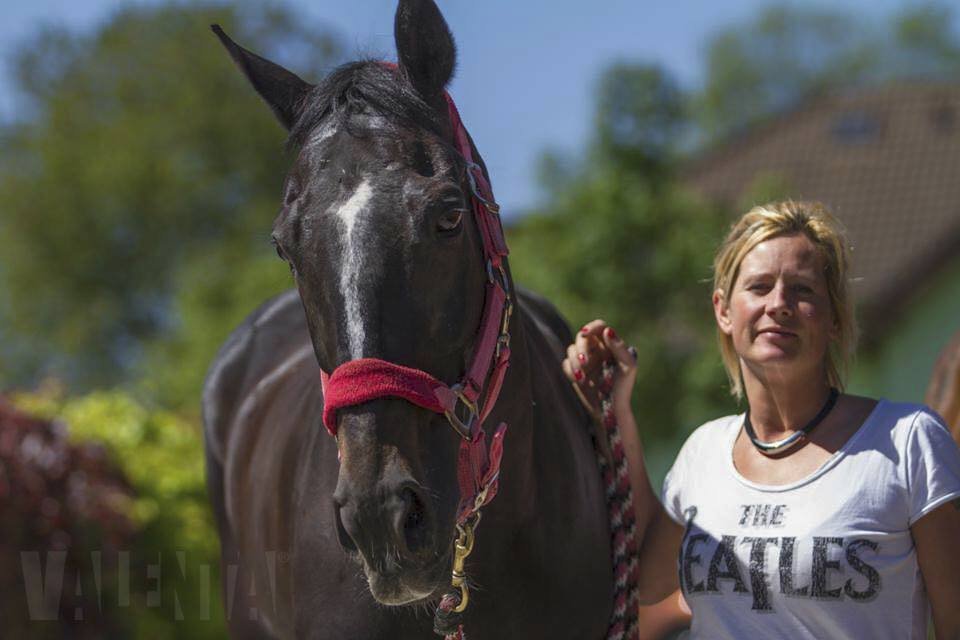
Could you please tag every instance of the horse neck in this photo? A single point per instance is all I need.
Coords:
(514, 407)
(544, 428)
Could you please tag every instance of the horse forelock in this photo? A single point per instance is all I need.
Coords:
(366, 85)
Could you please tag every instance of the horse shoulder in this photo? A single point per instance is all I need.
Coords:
(274, 332)
(546, 318)
(260, 399)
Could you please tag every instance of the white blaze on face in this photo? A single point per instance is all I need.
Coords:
(351, 265)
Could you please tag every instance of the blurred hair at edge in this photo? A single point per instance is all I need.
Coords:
(827, 234)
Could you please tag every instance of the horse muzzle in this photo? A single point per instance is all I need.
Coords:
(393, 533)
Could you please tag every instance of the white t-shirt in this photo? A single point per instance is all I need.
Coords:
(829, 556)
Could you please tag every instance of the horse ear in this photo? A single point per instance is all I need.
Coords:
(282, 90)
(425, 49)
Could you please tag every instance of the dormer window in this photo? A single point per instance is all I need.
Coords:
(943, 117)
(855, 127)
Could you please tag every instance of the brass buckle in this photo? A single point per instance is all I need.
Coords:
(481, 498)
(463, 428)
(507, 313)
(503, 340)
(492, 279)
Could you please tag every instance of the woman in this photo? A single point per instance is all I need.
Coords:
(815, 514)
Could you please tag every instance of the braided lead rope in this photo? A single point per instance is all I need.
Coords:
(623, 529)
(445, 612)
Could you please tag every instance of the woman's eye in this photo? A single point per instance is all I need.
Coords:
(450, 221)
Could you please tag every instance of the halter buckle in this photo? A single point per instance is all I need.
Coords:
(463, 427)
(503, 342)
(491, 206)
(501, 272)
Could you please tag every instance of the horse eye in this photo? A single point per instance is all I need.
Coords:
(450, 221)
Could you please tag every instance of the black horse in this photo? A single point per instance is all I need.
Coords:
(351, 538)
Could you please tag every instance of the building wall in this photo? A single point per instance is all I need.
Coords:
(900, 368)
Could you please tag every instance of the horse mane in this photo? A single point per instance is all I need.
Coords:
(363, 86)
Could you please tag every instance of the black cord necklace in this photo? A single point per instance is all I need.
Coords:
(774, 448)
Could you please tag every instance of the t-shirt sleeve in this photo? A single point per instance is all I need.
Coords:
(933, 460)
(672, 493)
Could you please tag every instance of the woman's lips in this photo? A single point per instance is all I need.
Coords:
(782, 333)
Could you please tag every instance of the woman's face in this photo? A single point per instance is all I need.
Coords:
(779, 315)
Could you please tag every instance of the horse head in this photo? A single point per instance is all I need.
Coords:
(375, 225)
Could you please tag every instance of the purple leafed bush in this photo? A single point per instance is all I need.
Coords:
(63, 531)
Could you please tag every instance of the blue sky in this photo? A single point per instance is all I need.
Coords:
(527, 68)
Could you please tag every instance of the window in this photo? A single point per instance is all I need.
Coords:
(855, 127)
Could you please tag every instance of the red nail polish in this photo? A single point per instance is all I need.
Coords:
(578, 374)
(581, 357)
(584, 331)
(611, 333)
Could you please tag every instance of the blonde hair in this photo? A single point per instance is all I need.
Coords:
(827, 234)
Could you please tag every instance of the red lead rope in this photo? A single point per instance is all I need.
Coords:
(623, 522)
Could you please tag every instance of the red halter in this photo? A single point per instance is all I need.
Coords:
(367, 379)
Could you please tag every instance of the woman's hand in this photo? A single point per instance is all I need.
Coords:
(658, 536)
(595, 344)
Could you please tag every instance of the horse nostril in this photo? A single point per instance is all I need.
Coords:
(415, 523)
(346, 540)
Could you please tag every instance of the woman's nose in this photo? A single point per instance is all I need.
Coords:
(778, 303)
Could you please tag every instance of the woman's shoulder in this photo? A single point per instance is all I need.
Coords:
(712, 433)
(906, 422)
(907, 416)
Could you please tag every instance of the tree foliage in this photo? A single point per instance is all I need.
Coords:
(137, 187)
(171, 543)
(787, 53)
(622, 240)
(141, 154)
(63, 507)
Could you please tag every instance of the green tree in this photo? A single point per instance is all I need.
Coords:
(140, 155)
(755, 70)
(640, 116)
(622, 240)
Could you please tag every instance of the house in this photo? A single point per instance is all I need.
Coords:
(886, 161)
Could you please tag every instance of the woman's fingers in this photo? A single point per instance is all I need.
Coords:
(590, 335)
(625, 356)
(591, 351)
(572, 364)
(595, 343)
(581, 383)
